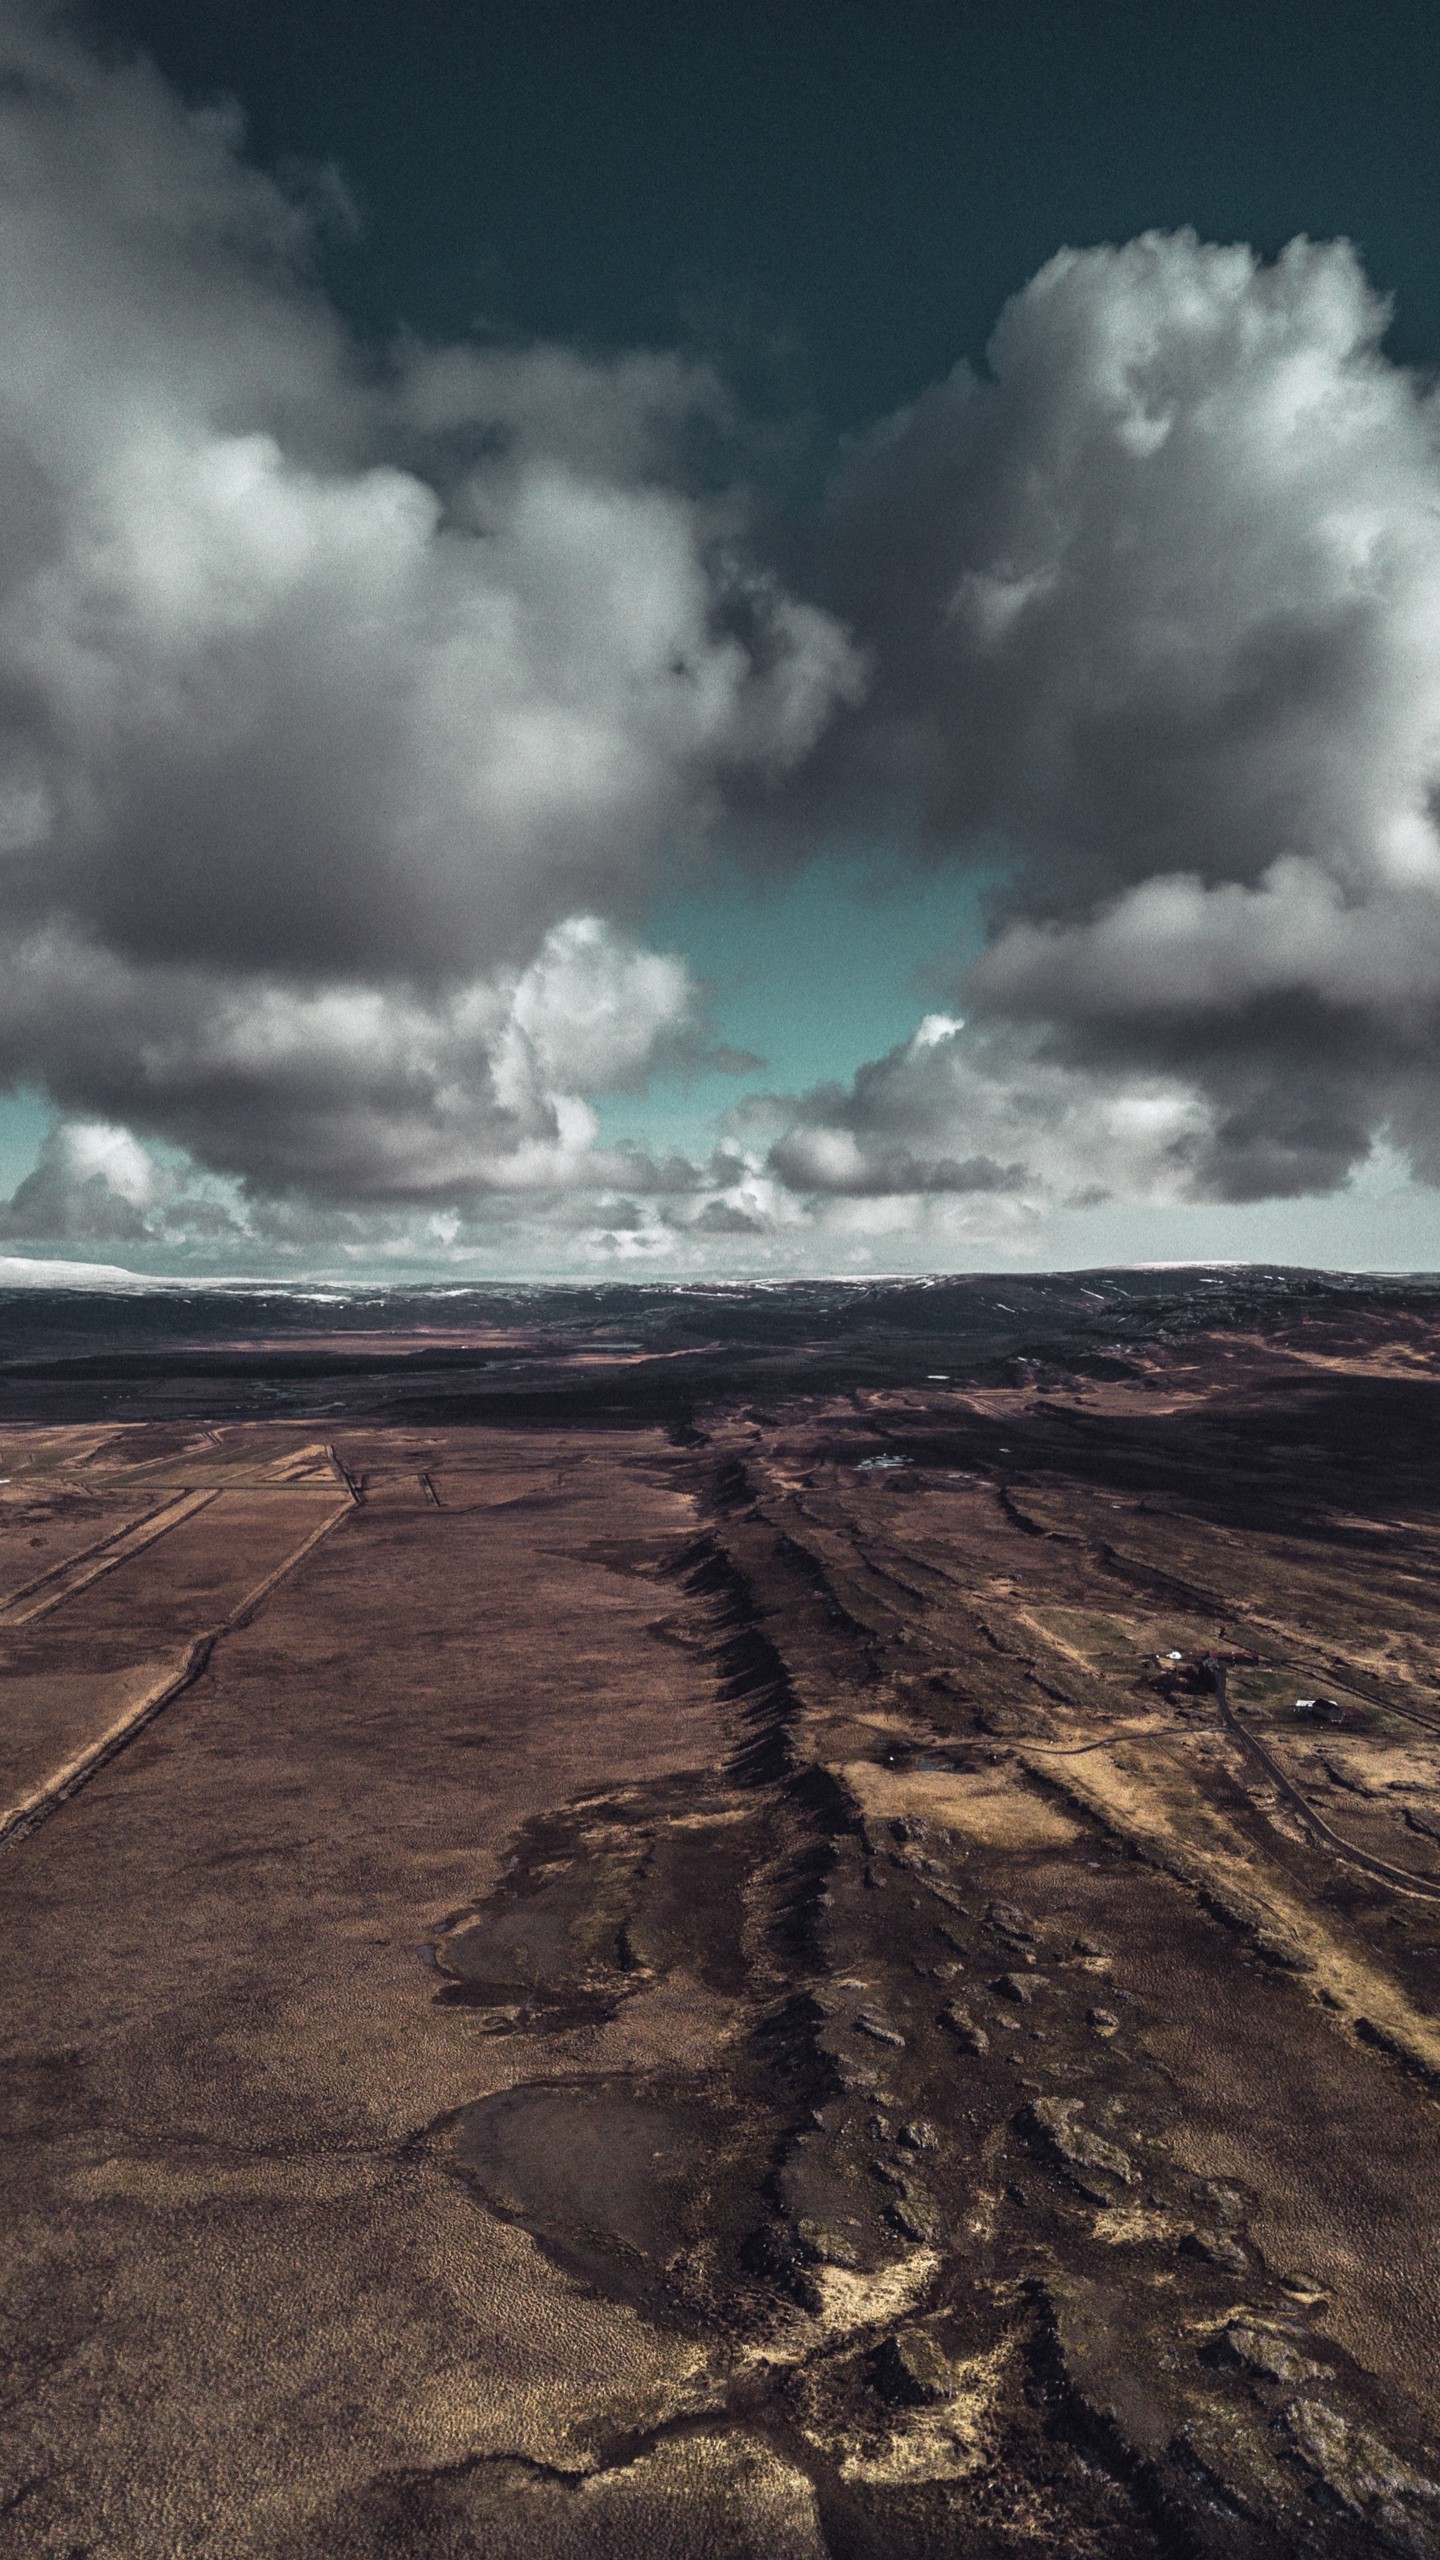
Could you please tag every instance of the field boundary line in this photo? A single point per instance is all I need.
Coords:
(115, 1550)
(21, 1819)
(241, 1617)
(52, 1792)
(82, 1555)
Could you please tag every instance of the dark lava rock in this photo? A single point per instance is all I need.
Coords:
(945, 1893)
(1358, 2469)
(964, 2028)
(913, 2215)
(1056, 2124)
(1227, 2455)
(1217, 2249)
(1104, 2021)
(911, 2371)
(825, 2245)
(1018, 1986)
(1243, 2346)
(1218, 2203)
(773, 2253)
(1012, 1922)
(867, 2024)
(854, 2078)
(918, 2136)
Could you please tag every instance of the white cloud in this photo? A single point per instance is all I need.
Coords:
(353, 1092)
(985, 1119)
(329, 692)
(95, 1180)
(1161, 604)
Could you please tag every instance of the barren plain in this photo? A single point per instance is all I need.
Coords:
(635, 1947)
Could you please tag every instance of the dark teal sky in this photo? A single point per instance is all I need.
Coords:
(838, 197)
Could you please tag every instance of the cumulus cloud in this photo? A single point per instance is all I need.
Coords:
(352, 1091)
(95, 1182)
(1159, 605)
(330, 691)
(92, 1180)
(1036, 1131)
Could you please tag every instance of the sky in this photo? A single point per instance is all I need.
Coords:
(678, 640)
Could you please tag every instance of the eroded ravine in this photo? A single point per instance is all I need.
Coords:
(939, 2201)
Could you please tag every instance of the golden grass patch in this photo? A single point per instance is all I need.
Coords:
(996, 1806)
(1157, 1810)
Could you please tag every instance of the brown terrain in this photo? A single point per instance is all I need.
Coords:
(791, 1985)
